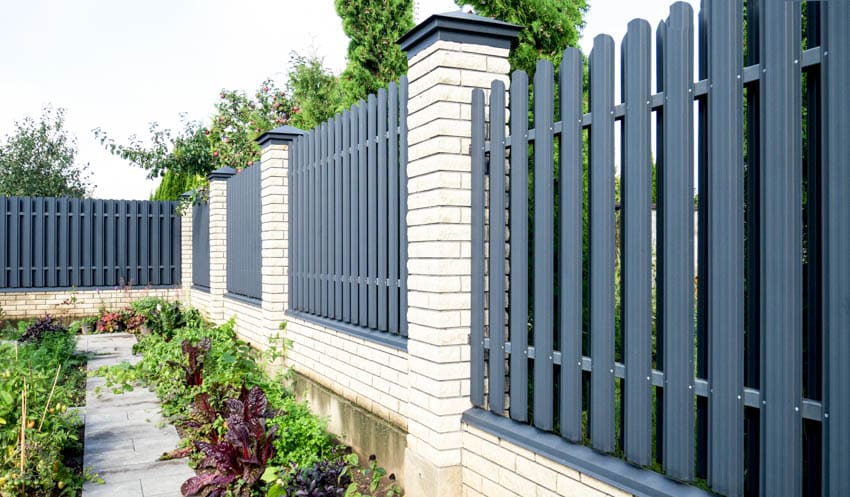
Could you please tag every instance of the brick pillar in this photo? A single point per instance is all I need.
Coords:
(218, 241)
(275, 223)
(186, 249)
(449, 55)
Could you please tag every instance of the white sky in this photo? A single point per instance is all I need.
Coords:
(118, 65)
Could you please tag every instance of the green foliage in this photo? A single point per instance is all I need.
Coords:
(549, 26)
(315, 91)
(374, 58)
(175, 183)
(51, 429)
(38, 159)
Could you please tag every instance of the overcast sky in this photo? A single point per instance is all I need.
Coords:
(119, 65)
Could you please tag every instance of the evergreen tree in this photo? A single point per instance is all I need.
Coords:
(374, 58)
(549, 26)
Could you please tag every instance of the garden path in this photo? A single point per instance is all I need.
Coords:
(126, 433)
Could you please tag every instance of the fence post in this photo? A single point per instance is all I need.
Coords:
(186, 247)
(274, 188)
(449, 55)
(218, 241)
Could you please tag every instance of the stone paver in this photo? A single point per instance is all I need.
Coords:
(126, 433)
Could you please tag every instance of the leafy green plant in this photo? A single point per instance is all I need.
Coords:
(43, 326)
(194, 367)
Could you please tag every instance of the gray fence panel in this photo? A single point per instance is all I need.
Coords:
(201, 245)
(677, 264)
(570, 271)
(381, 211)
(477, 248)
(781, 269)
(725, 269)
(393, 200)
(244, 261)
(601, 194)
(836, 243)
(543, 243)
(637, 243)
(496, 274)
(519, 247)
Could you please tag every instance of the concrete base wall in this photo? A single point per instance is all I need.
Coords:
(75, 303)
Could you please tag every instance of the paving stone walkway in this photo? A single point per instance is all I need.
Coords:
(126, 433)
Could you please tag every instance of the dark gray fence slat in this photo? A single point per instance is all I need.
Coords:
(402, 195)
(393, 200)
(781, 269)
(87, 211)
(133, 242)
(519, 247)
(543, 243)
(382, 210)
(167, 230)
(660, 45)
(315, 188)
(677, 265)
(637, 244)
(52, 266)
(570, 182)
(354, 143)
(338, 220)
(346, 219)
(39, 241)
(177, 247)
(323, 206)
(99, 216)
(63, 259)
(836, 246)
(4, 252)
(725, 249)
(601, 194)
(296, 218)
(330, 241)
(122, 276)
(25, 246)
(110, 239)
(477, 251)
(363, 210)
(497, 248)
(372, 251)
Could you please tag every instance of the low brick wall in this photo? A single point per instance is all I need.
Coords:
(493, 467)
(75, 303)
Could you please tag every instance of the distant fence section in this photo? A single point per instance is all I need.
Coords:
(71, 242)
(244, 238)
(201, 245)
(348, 209)
(716, 374)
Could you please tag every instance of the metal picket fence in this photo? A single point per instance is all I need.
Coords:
(86, 243)
(244, 234)
(201, 245)
(727, 376)
(348, 180)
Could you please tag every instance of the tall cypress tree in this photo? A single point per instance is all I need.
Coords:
(374, 58)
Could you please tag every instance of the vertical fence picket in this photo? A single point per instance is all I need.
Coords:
(315, 219)
(477, 251)
(781, 269)
(543, 246)
(354, 165)
(122, 275)
(402, 195)
(496, 274)
(110, 239)
(51, 262)
(133, 242)
(296, 217)
(836, 246)
(677, 269)
(601, 195)
(322, 161)
(76, 260)
(4, 242)
(660, 64)
(338, 217)
(14, 280)
(381, 227)
(570, 270)
(363, 211)
(156, 243)
(330, 241)
(372, 251)
(725, 245)
(39, 242)
(393, 200)
(345, 210)
(25, 246)
(63, 256)
(167, 243)
(88, 214)
(637, 243)
(519, 247)
(99, 215)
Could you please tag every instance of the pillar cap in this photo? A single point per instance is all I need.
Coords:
(459, 27)
(279, 136)
(222, 173)
(185, 195)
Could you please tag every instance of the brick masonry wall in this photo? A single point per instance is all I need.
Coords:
(372, 376)
(493, 467)
(76, 303)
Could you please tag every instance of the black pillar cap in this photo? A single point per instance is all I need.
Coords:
(222, 173)
(459, 27)
(278, 136)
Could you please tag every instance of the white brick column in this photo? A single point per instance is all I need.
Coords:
(275, 223)
(449, 55)
(186, 250)
(218, 241)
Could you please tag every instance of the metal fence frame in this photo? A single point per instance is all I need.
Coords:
(87, 243)
(244, 234)
(760, 401)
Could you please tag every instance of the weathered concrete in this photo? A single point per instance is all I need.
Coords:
(126, 433)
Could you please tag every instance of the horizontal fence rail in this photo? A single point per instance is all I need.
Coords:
(244, 236)
(703, 356)
(348, 180)
(87, 243)
(201, 245)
